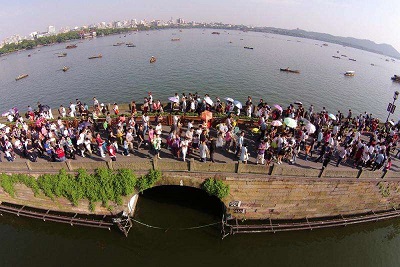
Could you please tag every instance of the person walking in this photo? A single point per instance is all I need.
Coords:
(213, 147)
(203, 150)
(244, 155)
(157, 145)
(260, 152)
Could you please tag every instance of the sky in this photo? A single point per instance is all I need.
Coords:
(375, 20)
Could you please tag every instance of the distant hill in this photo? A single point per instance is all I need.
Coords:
(363, 44)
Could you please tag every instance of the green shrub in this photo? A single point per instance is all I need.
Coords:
(8, 184)
(216, 188)
(103, 185)
(148, 180)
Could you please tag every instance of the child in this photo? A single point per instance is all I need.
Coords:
(126, 148)
(111, 152)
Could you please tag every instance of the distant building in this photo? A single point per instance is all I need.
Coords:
(51, 30)
(180, 21)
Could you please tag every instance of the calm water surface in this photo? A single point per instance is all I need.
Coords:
(208, 64)
(36, 243)
(201, 62)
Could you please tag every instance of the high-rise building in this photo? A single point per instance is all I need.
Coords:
(52, 30)
(180, 21)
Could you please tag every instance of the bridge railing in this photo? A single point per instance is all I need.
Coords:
(196, 166)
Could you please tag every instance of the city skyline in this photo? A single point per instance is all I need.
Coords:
(365, 20)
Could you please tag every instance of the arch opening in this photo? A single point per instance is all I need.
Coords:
(174, 206)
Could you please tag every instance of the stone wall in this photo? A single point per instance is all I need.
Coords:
(278, 192)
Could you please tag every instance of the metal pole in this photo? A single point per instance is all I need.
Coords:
(387, 119)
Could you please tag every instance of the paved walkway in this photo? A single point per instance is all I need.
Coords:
(221, 155)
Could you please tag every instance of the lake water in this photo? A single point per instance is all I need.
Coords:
(28, 242)
(204, 63)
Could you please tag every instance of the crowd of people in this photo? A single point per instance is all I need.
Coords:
(274, 134)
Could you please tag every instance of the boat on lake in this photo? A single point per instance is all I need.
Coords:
(65, 68)
(396, 78)
(62, 55)
(152, 59)
(350, 73)
(98, 56)
(248, 47)
(21, 77)
(343, 55)
(289, 70)
(131, 45)
(336, 57)
(215, 33)
(118, 44)
(175, 39)
(352, 59)
(71, 46)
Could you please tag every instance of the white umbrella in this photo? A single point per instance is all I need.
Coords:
(2, 125)
(229, 99)
(173, 99)
(291, 123)
(208, 100)
(276, 123)
(310, 128)
(391, 122)
(333, 117)
(238, 104)
(223, 127)
(305, 121)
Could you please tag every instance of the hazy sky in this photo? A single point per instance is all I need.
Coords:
(376, 20)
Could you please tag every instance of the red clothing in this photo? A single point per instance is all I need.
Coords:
(99, 141)
(111, 151)
(60, 152)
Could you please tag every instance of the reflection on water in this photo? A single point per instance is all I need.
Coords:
(38, 243)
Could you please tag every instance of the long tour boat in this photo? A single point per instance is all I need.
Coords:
(98, 56)
(350, 73)
(289, 70)
(21, 77)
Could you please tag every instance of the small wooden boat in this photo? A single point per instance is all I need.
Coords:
(215, 33)
(62, 55)
(248, 47)
(71, 46)
(396, 78)
(65, 68)
(131, 45)
(98, 56)
(175, 39)
(352, 59)
(152, 59)
(372, 64)
(118, 44)
(336, 57)
(289, 70)
(343, 55)
(21, 77)
(350, 73)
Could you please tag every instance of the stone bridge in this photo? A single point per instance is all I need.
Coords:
(275, 192)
